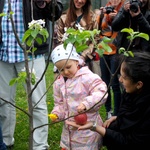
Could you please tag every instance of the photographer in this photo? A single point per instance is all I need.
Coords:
(107, 14)
(134, 14)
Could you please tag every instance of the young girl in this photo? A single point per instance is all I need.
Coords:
(76, 90)
(131, 128)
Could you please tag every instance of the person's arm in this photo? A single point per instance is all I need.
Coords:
(110, 137)
(121, 20)
(97, 92)
(89, 125)
(142, 22)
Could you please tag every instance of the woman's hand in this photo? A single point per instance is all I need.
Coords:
(126, 6)
(88, 125)
(48, 1)
(109, 121)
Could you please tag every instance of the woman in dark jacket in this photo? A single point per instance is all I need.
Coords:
(131, 128)
(135, 15)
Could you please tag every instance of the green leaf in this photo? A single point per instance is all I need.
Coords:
(131, 53)
(34, 33)
(100, 51)
(81, 48)
(106, 39)
(105, 46)
(12, 81)
(126, 54)
(33, 49)
(143, 35)
(26, 35)
(2, 14)
(38, 40)
(128, 30)
(121, 50)
(29, 41)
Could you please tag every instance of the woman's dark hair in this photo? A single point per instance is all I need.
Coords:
(71, 12)
(137, 68)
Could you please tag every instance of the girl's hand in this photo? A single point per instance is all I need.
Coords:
(81, 108)
(109, 121)
(112, 14)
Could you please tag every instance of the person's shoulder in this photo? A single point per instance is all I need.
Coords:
(64, 14)
(62, 18)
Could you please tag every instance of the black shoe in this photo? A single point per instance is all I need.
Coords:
(10, 147)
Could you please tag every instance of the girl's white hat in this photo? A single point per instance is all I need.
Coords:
(60, 53)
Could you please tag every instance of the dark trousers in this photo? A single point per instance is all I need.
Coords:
(112, 63)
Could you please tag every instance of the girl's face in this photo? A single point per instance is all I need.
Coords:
(115, 2)
(79, 3)
(126, 81)
(69, 69)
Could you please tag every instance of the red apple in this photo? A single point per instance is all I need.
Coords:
(81, 119)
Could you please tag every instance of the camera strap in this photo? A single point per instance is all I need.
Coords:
(100, 20)
(78, 19)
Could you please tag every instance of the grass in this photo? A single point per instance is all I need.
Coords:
(22, 128)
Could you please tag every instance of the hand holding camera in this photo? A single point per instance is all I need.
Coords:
(135, 5)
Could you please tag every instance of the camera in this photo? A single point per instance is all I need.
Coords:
(134, 5)
(109, 9)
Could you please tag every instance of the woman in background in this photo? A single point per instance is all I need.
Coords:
(79, 12)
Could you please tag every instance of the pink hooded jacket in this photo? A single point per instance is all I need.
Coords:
(87, 88)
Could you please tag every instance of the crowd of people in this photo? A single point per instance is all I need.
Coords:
(77, 88)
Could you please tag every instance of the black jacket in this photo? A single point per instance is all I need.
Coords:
(39, 13)
(139, 23)
(131, 129)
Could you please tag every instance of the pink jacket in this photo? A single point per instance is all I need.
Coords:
(87, 88)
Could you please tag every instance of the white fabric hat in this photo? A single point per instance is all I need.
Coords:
(59, 53)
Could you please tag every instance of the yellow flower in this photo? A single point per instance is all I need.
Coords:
(53, 117)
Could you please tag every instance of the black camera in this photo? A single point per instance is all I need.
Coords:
(109, 9)
(134, 5)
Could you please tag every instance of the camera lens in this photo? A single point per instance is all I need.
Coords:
(41, 3)
(134, 7)
(134, 4)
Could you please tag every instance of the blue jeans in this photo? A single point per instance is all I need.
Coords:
(112, 63)
(2, 144)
